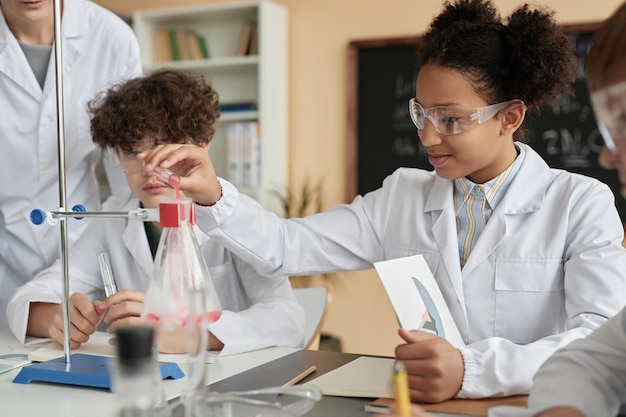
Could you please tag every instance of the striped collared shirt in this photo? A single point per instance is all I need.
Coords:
(474, 203)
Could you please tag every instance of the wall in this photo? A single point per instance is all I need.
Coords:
(320, 31)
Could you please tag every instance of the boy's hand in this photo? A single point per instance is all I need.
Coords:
(84, 317)
(123, 309)
(182, 341)
(192, 164)
(435, 367)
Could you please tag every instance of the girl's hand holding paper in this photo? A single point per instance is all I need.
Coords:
(434, 366)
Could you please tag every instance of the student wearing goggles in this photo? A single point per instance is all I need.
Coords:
(528, 258)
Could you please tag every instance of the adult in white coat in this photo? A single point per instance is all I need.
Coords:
(548, 266)
(164, 107)
(99, 49)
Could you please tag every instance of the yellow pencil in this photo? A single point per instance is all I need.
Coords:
(401, 389)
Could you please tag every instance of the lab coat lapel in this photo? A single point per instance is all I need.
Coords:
(487, 242)
(70, 57)
(10, 54)
(441, 207)
(519, 199)
(136, 241)
(71, 48)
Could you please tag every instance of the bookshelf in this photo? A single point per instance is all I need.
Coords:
(257, 78)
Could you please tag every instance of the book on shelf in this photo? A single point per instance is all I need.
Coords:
(243, 152)
(169, 44)
(237, 107)
(251, 155)
(187, 45)
(174, 46)
(193, 45)
(204, 47)
(161, 51)
(253, 49)
(248, 31)
(234, 155)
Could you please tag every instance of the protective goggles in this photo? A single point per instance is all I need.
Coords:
(452, 120)
(609, 106)
(127, 161)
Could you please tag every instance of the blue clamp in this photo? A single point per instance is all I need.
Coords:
(37, 216)
(79, 208)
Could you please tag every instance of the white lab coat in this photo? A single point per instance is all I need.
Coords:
(588, 374)
(258, 312)
(547, 269)
(99, 49)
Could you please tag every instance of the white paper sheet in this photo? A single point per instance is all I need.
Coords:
(416, 297)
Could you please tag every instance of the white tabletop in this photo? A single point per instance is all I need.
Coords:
(44, 399)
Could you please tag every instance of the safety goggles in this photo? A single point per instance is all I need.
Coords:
(452, 120)
(127, 160)
(609, 107)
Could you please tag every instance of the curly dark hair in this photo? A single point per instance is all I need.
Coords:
(527, 57)
(177, 105)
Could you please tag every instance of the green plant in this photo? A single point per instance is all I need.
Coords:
(300, 202)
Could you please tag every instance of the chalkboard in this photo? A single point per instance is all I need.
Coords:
(382, 136)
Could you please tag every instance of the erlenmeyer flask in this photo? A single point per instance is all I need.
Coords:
(179, 276)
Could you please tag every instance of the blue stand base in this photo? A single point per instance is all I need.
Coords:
(83, 370)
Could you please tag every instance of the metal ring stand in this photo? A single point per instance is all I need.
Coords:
(58, 59)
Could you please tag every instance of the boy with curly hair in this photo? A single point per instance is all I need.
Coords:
(167, 107)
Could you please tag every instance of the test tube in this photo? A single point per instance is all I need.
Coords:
(107, 273)
(166, 177)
